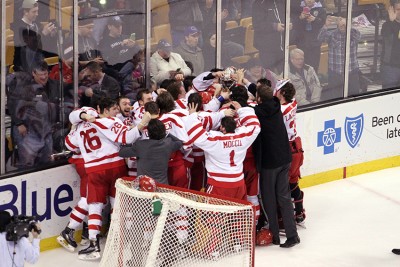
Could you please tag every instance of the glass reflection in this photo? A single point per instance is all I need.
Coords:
(269, 32)
(390, 58)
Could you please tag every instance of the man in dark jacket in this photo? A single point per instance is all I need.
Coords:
(273, 158)
(153, 154)
(34, 105)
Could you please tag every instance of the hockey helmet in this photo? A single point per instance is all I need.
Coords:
(264, 237)
(147, 184)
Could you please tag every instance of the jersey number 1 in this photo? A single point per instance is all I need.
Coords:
(232, 158)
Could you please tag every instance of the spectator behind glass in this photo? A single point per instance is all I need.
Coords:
(28, 37)
(181, 15)
(87, 45)
(307, 26)
(135, 20)
(116, 48)
(304, 78)
(34, 105)
(231, 50)
(165, 64)
(336, 40)
(16, 253)
(255, 72)
(99, 85)
(390, 57)
(67, 64)
(190, 51)
(133, 75)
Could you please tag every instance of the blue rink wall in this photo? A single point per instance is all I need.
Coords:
(339, 141)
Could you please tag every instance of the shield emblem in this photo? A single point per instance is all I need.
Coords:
(353, 128)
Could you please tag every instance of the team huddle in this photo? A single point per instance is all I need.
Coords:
(201, 139)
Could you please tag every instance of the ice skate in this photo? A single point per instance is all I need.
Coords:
(92, 252)
(85, 235)
(67, 240)
(300, 218)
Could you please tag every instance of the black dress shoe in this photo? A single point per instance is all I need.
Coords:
(276, 241)
(290, 242)
(396, 251)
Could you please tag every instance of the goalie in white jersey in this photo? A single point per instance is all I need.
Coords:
(224, 150)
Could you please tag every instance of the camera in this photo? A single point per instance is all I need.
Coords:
(20, 226)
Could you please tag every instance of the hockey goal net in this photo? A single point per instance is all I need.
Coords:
(192, 229)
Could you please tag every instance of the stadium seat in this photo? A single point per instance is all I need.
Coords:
(159, 12)
(246, 22)
(249, 48)
(231, 24)
(162, 31)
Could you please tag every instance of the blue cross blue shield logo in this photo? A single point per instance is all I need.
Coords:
(353, 129)
(329, 137)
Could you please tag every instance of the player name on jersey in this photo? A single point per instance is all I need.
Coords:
(232, 143)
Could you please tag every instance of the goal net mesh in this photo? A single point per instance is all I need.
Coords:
(192, 229)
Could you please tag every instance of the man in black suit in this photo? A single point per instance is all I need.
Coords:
(98, 83)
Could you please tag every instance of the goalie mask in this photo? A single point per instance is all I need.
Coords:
(147, 184)
(264, 237)
(227, 80)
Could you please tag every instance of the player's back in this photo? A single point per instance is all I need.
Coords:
(98, 149)
(225, 154)
(289, 118)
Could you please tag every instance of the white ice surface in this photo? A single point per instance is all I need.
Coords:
(353, 222)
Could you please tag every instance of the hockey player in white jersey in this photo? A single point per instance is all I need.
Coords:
(125, 111)
(225, 150)
(177, 167)
(80, 211)
(210, 121)
(99, 144)
(127, 116)
(206, 84)
(285, 94)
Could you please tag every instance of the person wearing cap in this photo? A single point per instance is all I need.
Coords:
(182, 14)
(16, 253)
(165, 64)
(116, 48)
(87, 46)
(190, 51)
(304, 78)
(28, 37)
